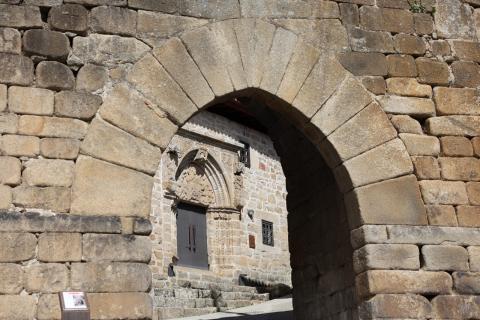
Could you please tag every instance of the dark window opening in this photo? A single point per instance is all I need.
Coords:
(267, 233)
(245, 154)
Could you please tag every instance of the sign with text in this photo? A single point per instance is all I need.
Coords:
(74, 306)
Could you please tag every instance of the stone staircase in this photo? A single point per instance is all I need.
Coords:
(180, 302)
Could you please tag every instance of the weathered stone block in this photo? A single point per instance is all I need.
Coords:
(109, 143)
(106, 19)
(269, 8)
(401, 66)
(3, 97)
(79, 105)
(54, 75)
(69, 17)
(372, 128)
(468, 216)
(396, 306)
(151, 26)
(426, 167)
(399, 197)
(11, 278)
(402, 281)
(46, 278)
(432, 235)
(111, 277)
(20, 16)
(432, 72)
(384, 162)
(454, 126)
(444, 192)
(370, 41)
(45, 172)
(459, 27)
(30, 100)
(176, 60)
(408, 87)
(154, 5)
(5, 197)
(441, 215)
(440, 48)
(474, 258)
(116, 247)
(14, 307)
(147, 124)
(52, 127)
(106, 50)
(420, 145)
(466, 74)
(142, 226)
(50, 198)
(393, 20)
(91, 78)
(120, 305)
(96, 189)
(15, 69)
(466, 282)
(445, 257)
(364, 64)
(90, 3)
(408, 44)
(14, 145)
(456, 146)
(45, 43)
(10, 168)
(10, 41)
(17, 247)
(386, 256)
(59, 247)
(415, 107)
(349, 13)
(476, 146)
(473, 190)
(406, 124)
(466, 169)
(423, 23)
(347, 101)
(374, 84)
(457, 101)
(59, 148)
(466, 50)
(48, 307)
(8, 123)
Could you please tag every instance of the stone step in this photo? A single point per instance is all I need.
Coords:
(234, 304)
(245, 296)
(172, 313)
(174, 302)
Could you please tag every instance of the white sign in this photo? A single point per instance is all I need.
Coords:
(74, 301)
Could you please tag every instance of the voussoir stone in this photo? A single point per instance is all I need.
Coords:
(11, 278)
(15, 307)
(59, 247)
(46, 278)
(109, 143)
(415, 107)
(445, 257)
(457, 101)
(15, 69)
(54, 75)
(397, 201)
(17, 247)
(116, 247)
(97, 191)
(444, 192)
(130, 305)
(51, 44)
(69, 17)
(110, 277)
(79, 105)
(24, 100)
(48, 172)
(386, 256)
(106, 50)
(403, 281)
(148, 76)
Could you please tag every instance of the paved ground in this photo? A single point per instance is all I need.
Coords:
(279, 309)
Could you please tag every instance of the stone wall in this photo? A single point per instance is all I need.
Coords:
(73, 80)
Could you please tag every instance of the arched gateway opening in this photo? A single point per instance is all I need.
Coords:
(344, 164)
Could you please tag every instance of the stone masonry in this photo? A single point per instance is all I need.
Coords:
(372, 106)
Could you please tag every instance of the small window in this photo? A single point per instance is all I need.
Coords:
(267, 233)
(245, 154)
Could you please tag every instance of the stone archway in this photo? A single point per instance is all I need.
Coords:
(234, 57)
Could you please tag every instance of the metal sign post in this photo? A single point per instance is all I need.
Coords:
(74, 306)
